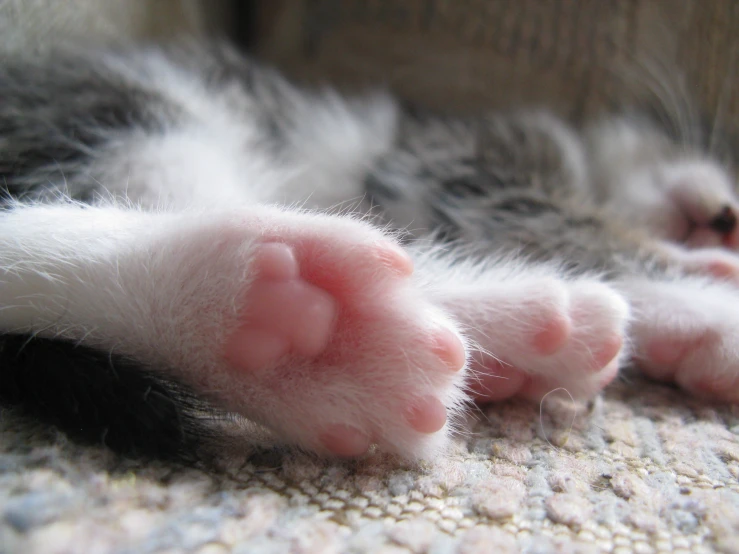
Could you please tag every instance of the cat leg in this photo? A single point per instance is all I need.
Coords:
(536, 328)
(686, 330)
(717, 263)
(308, 324)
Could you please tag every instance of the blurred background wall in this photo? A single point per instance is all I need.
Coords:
(571, 55)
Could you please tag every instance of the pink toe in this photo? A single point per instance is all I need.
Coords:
(450, 349)
(496, 381)
(345, 441)
(253, 349)
(722, 270)
(665, 352)
(553, 336)
(726, 390)
(395, 258)
(427, 415)
(608, 375)
(610, 349)
(276, 261)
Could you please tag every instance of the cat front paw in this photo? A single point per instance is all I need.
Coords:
(311, 326)
(687, 333)
(553, 334)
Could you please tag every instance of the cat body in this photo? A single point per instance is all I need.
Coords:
(347, 272)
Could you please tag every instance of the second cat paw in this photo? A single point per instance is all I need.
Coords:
(548, 334)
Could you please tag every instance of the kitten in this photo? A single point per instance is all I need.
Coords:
(344, 272)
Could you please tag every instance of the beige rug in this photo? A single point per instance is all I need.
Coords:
(648, 470)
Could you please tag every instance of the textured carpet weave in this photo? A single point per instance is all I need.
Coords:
(647, 470)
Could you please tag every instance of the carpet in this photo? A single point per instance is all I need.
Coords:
(645, 469)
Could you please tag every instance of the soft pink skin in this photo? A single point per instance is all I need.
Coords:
(553, 335)
(450, 349)
(289, 316)
(345, 441)
(428, 415)
(499, 379)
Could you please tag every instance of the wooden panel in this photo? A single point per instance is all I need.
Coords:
(572, 55)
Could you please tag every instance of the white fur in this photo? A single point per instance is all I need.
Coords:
(167, 280)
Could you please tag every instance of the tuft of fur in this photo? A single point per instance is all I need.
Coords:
(101, 399)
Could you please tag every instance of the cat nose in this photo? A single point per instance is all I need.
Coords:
(725, 222)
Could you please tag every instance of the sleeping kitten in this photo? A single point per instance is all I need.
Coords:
(199, 224)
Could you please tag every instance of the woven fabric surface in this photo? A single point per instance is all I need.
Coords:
(647, 469)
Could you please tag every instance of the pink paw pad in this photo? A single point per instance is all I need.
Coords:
(553, 335)
(345, 441)
(308, 326)
(722, 270)
(449, 349)
(496, 381)
(286, 314)
(395, 258)
(427, 415)
(712, 262)
(607, 352)
(607, 374)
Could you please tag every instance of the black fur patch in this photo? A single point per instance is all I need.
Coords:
(101, 399)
